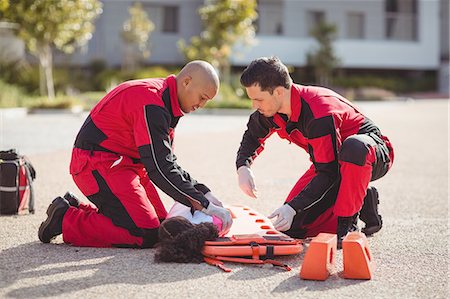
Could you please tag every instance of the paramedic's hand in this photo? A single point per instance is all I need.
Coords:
(285, 215)
(221, 213)
(247, 181)
(213, 199)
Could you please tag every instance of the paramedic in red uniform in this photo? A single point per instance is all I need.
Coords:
(347, 151)
(123, 150)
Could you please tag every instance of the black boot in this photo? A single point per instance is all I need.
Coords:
(369, 212)
(52, 226)
(72, 199)
(354, 226)
(345, 225)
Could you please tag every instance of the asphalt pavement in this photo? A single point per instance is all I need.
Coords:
(410, 253)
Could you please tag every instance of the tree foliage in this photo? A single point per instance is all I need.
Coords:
(323, 60)
(135, 34)
(225, 22)
(47, 24)
(4, 4)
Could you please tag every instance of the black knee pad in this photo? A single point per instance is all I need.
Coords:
(354, 149)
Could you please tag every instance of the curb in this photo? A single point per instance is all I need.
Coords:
(222, 111)
(13, 112)
(20, 112)
(76, 110)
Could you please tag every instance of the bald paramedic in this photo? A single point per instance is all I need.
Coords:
(123, 150)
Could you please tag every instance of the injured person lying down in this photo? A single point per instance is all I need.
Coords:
(191, 236)
(183, 234)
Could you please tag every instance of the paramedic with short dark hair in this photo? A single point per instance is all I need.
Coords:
(347, 151)
(122, 149)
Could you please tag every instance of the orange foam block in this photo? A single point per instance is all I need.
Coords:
(358, 262)
(319, 260)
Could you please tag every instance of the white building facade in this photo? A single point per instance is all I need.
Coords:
(371, 34)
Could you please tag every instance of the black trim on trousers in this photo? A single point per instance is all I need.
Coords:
(109, 205)
(309, 216)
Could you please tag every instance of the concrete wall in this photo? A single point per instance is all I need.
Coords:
(372, 52)
(107, 44)
(444, 70)
(12, 49)
(292, 45)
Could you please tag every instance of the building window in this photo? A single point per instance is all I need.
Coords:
(401, 19)
(314, 18)
(270, 18)
(355, 25)
(170, 19)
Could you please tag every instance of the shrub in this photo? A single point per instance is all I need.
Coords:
(398, 84)
(154, 72)
(229, 97)
(24, 75)
(89, 99)
(59, 102)
(11, 95)
(109, 78)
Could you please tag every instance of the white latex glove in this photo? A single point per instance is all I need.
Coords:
(221, 213)
(247, 181)
(213, 199)
(285, 215)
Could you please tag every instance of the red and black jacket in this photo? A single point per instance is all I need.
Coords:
(320, 121)
(137, 119)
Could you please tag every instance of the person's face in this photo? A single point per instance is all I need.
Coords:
(195, 93)
(267, 104)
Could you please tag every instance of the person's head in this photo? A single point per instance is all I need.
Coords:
(197, 83)
(181, 241)
(267, 83)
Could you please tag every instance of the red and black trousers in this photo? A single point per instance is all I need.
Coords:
(362, 158)
(127, 211)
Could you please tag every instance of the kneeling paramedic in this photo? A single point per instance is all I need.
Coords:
(347, 151)
(123, 150)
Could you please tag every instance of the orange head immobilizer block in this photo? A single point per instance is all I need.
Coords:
(358, 262)
(319, 260)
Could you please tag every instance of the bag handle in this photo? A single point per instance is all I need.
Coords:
(9, 155)
(30, 174)
(30, 179)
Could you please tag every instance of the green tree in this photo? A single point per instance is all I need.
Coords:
(135, 34)
(44, 24)
(4, 4)
(225, 22)
(323, 60)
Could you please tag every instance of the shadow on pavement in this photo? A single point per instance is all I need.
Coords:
(42, 270)
(254, 272)
(295, 283)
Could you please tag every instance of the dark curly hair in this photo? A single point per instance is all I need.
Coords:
(268, 73)
(182, 242)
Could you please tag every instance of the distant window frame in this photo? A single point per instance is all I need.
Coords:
(397, 22)
(278, 27)
(314, 17)
(356, 17)
(171, 19)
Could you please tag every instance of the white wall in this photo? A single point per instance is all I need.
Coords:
(368, 53)
(372, 52)
(107, 44)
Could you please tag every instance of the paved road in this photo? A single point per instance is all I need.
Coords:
(410, 253)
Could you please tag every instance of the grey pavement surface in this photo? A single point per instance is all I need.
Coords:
(410, 252)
